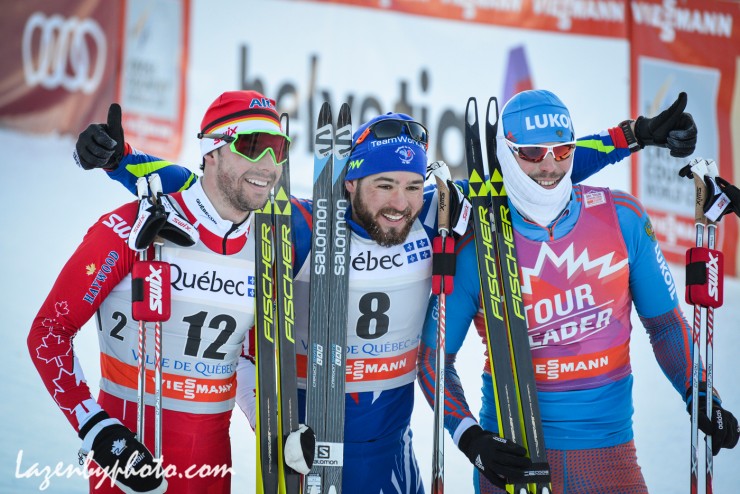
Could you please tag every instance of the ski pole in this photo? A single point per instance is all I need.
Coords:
(712, 172)
(700, 222)
(155, 185)
(443, 268)
(150, 293)
(142, 190)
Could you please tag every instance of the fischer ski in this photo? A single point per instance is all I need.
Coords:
(506, 327)
(328, 309)
(276, 379)
(287, 377)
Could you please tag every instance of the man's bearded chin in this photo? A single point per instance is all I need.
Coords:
(389, 237)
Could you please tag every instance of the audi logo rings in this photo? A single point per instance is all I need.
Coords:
(62, 52)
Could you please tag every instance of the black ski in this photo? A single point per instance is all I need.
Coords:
(266, 381)
(338, 304)
(328, 307)
(504, 387)
(290, 480)
(276, 380)
(507, 331)
(318, 338)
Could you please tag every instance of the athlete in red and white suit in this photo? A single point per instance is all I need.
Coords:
(212, 310)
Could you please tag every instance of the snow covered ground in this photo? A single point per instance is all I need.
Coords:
(49, 205)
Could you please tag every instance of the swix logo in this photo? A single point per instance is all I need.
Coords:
(713, 276)
(261, 103)
(572, 263)
(546, 120)
(155, 288)
(670, 18)
(230, 131)
(118, 225)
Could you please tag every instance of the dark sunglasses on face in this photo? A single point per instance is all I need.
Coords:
(535, 153)
(253, 145)
(387, 129)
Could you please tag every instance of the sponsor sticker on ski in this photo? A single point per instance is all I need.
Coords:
(329, 454)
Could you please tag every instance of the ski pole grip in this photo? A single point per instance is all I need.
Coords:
(443, 207)
(151, 291)
(699, 169)
(704, 277)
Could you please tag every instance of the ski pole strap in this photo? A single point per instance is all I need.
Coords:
(151, 291)
(443, 264)
(704, 277)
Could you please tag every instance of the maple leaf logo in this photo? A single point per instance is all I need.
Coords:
(572, 264)
(59, 390)
(118, 446)
(90, 269)
(62, 308)
(53, 350)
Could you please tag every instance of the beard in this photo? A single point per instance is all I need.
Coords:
(385, 238)
(231, 187)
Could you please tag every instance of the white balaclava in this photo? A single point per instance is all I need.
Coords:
(534, 117)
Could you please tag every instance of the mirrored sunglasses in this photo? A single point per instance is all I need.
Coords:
(535, 153)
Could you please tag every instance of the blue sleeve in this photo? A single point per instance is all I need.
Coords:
(462, 304)
(670, 337)
(137, 164)
(652, 285)
(654, 293)
(594, 152)
(461, 307)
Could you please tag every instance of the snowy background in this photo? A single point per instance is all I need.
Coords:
(50, 203)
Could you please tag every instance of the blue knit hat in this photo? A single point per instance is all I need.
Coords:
(396, 154)
(535, 117)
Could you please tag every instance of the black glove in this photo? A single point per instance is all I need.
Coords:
(101, 145)
(116, 449)
(672, 128)
(300, 446)
(732, 193)
(500, 460)
(722, 427)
